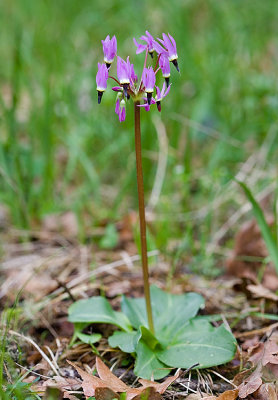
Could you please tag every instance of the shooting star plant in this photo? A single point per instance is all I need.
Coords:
(161, 330)
(139, 91)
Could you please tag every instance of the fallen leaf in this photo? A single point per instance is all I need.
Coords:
(248, 250)
(264, 352)
(200, 396)
(264, 357)
(107, 385)
(159, 387)
(149, 393)
(105, 394)
(248, 243)
(241, 376)
(106, 375)
(70, 396)
(64, 385)
(259, 291)
(266, 392)
(248, 343)
(228, 395)
(89, 382)
(251, 384)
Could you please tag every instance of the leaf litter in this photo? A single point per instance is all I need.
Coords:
(64, 267)
(93, 386)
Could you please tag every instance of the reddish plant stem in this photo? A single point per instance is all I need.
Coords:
(140, 187)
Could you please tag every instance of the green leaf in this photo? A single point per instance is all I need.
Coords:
(150, 340)
(89, 339)
(97, 310)
(78, 328)
(266, 232)
(147, 365)
(199, 342)
(170, 312)
(135, 310)
(126, 341)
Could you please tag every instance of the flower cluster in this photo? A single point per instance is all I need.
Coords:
(128, 84)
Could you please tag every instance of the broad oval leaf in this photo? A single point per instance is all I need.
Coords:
(97, 309)
(199, 343)
(126, 341)
(147, 365)
(135, 310)
(170, 311)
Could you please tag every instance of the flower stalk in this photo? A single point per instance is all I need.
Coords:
(141, 92)
(142, 218)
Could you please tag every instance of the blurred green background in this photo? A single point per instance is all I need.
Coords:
(60, 151)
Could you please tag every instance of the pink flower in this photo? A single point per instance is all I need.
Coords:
(120, 109)
(132, 75)
(101, 80)
(109, 49)
(161, 94)
(123, 70)
(147, 105)
(149, 44)
(159, 49)
(124, 73)
(170, 45)
(128, 86)
(117, 88)
(164, 65)
(148, 79)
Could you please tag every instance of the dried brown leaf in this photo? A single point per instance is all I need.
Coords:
(70, 396)
(159, 387)
(259, 291)
(248, 343)
(105, 394)
(106, 375)
(248, 250)
(228, 395)
(63, 383)
(200, 396)
(89, 382)
(108, 385)
(251, 384)
(264, 352)
(149, 393)
(266, 392)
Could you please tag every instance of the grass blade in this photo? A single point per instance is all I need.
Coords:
(265, 230)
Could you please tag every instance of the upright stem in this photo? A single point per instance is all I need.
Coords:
(140, 187)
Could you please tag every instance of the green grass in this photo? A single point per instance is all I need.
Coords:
(59, 150)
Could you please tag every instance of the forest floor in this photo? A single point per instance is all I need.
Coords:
(44, 272)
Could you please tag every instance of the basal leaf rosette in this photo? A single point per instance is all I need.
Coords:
(181, 338)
